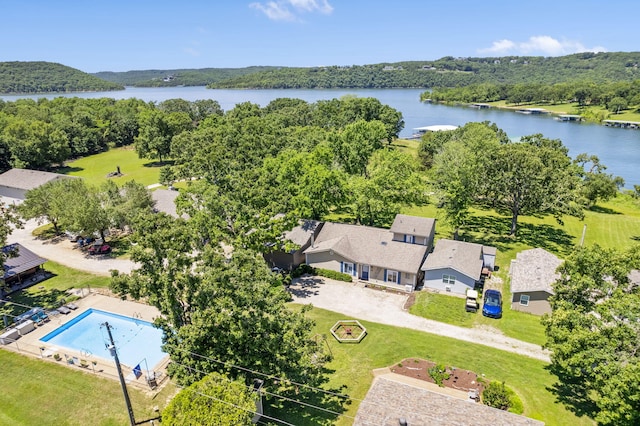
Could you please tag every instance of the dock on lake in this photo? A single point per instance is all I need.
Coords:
(622, 123)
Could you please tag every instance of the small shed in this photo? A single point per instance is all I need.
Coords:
(533, 273)
(22, 268)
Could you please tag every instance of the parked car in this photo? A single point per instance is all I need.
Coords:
(99, 249)
(492, 305)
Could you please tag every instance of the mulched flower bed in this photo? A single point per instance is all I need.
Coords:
(463, 380)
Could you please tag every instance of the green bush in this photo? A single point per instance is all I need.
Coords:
(334, 275)
(497, 395)
(301, 270)
(439, 374)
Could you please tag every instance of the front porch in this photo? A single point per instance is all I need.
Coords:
(377, 276)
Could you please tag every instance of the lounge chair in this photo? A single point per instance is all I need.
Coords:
(63, 310)
(72, 306)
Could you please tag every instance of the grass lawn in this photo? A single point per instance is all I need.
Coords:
(46, 393)
(94, 169)
(385, 346)
(49, 293)
(612, 224)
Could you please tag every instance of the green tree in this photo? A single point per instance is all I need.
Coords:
(355, 144)
(123, 204)
(593, 333)
(391, 183)
(46, 203)
(459, 168)
(531, 177)
(232, 310)
(596, 184)
(214, 400)
(157, 128)
(84, 212)
(617, 104)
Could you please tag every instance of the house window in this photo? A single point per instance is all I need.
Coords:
(448, 279)
(524, 299)
(392, 276)
(348, 268)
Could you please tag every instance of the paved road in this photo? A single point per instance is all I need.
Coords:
(355, 301)
(63, 251)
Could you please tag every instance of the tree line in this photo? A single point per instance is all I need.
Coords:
(449, 72)
(48, 77)
(614, 96)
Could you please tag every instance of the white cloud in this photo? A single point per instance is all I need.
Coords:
(289, 10)
(539, 45)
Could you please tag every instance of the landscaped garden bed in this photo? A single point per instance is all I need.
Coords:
(448, 376)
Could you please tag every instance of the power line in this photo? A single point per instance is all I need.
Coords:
(326, 410)
(268, 376)
(237, 406)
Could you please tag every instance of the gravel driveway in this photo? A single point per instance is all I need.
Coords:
(63, 251)
(356, 301)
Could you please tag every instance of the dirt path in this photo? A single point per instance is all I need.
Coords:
(63, 251)
(356, 301)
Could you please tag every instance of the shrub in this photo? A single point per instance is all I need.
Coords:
(301, 270)
(439, 374)
(497, 395)
(333, 275)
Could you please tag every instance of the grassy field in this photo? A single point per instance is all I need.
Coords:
(50, 293)
(612, 224)
(386, 346)
(95, 168)
(36, 392)
(574, 108)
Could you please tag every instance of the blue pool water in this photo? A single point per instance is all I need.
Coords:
(136, 340)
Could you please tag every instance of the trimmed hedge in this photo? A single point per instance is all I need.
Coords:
(334, 275)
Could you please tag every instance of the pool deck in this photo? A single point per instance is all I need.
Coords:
(31, 345)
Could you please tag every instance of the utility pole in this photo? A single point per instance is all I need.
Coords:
(114, 354)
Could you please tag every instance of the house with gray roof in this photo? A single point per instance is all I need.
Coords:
(300, 237)
(16, 182)
(380, 256)
(533, 273)
(390, 401)
(456, 266)
(413, 229)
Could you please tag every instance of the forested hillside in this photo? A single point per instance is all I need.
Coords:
(450, 72)
(177, 77)
(48, 77)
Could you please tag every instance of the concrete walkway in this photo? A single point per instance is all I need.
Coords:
(63, 251)
(356, 301)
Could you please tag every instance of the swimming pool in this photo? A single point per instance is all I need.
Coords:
(136, 340)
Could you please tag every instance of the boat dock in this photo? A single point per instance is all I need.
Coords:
(420, 131)
(569, 117)
(622, 123)
(532, 111)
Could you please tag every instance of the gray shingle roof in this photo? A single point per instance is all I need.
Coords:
(413, 225)
(459, 255)
(26, 179)
(389, 400)
(25, 260)
(300, 234)
(534, 270)
(369, 245)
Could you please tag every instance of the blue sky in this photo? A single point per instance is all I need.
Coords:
(139, 34)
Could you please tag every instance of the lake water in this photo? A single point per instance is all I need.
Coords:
(618, 149)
